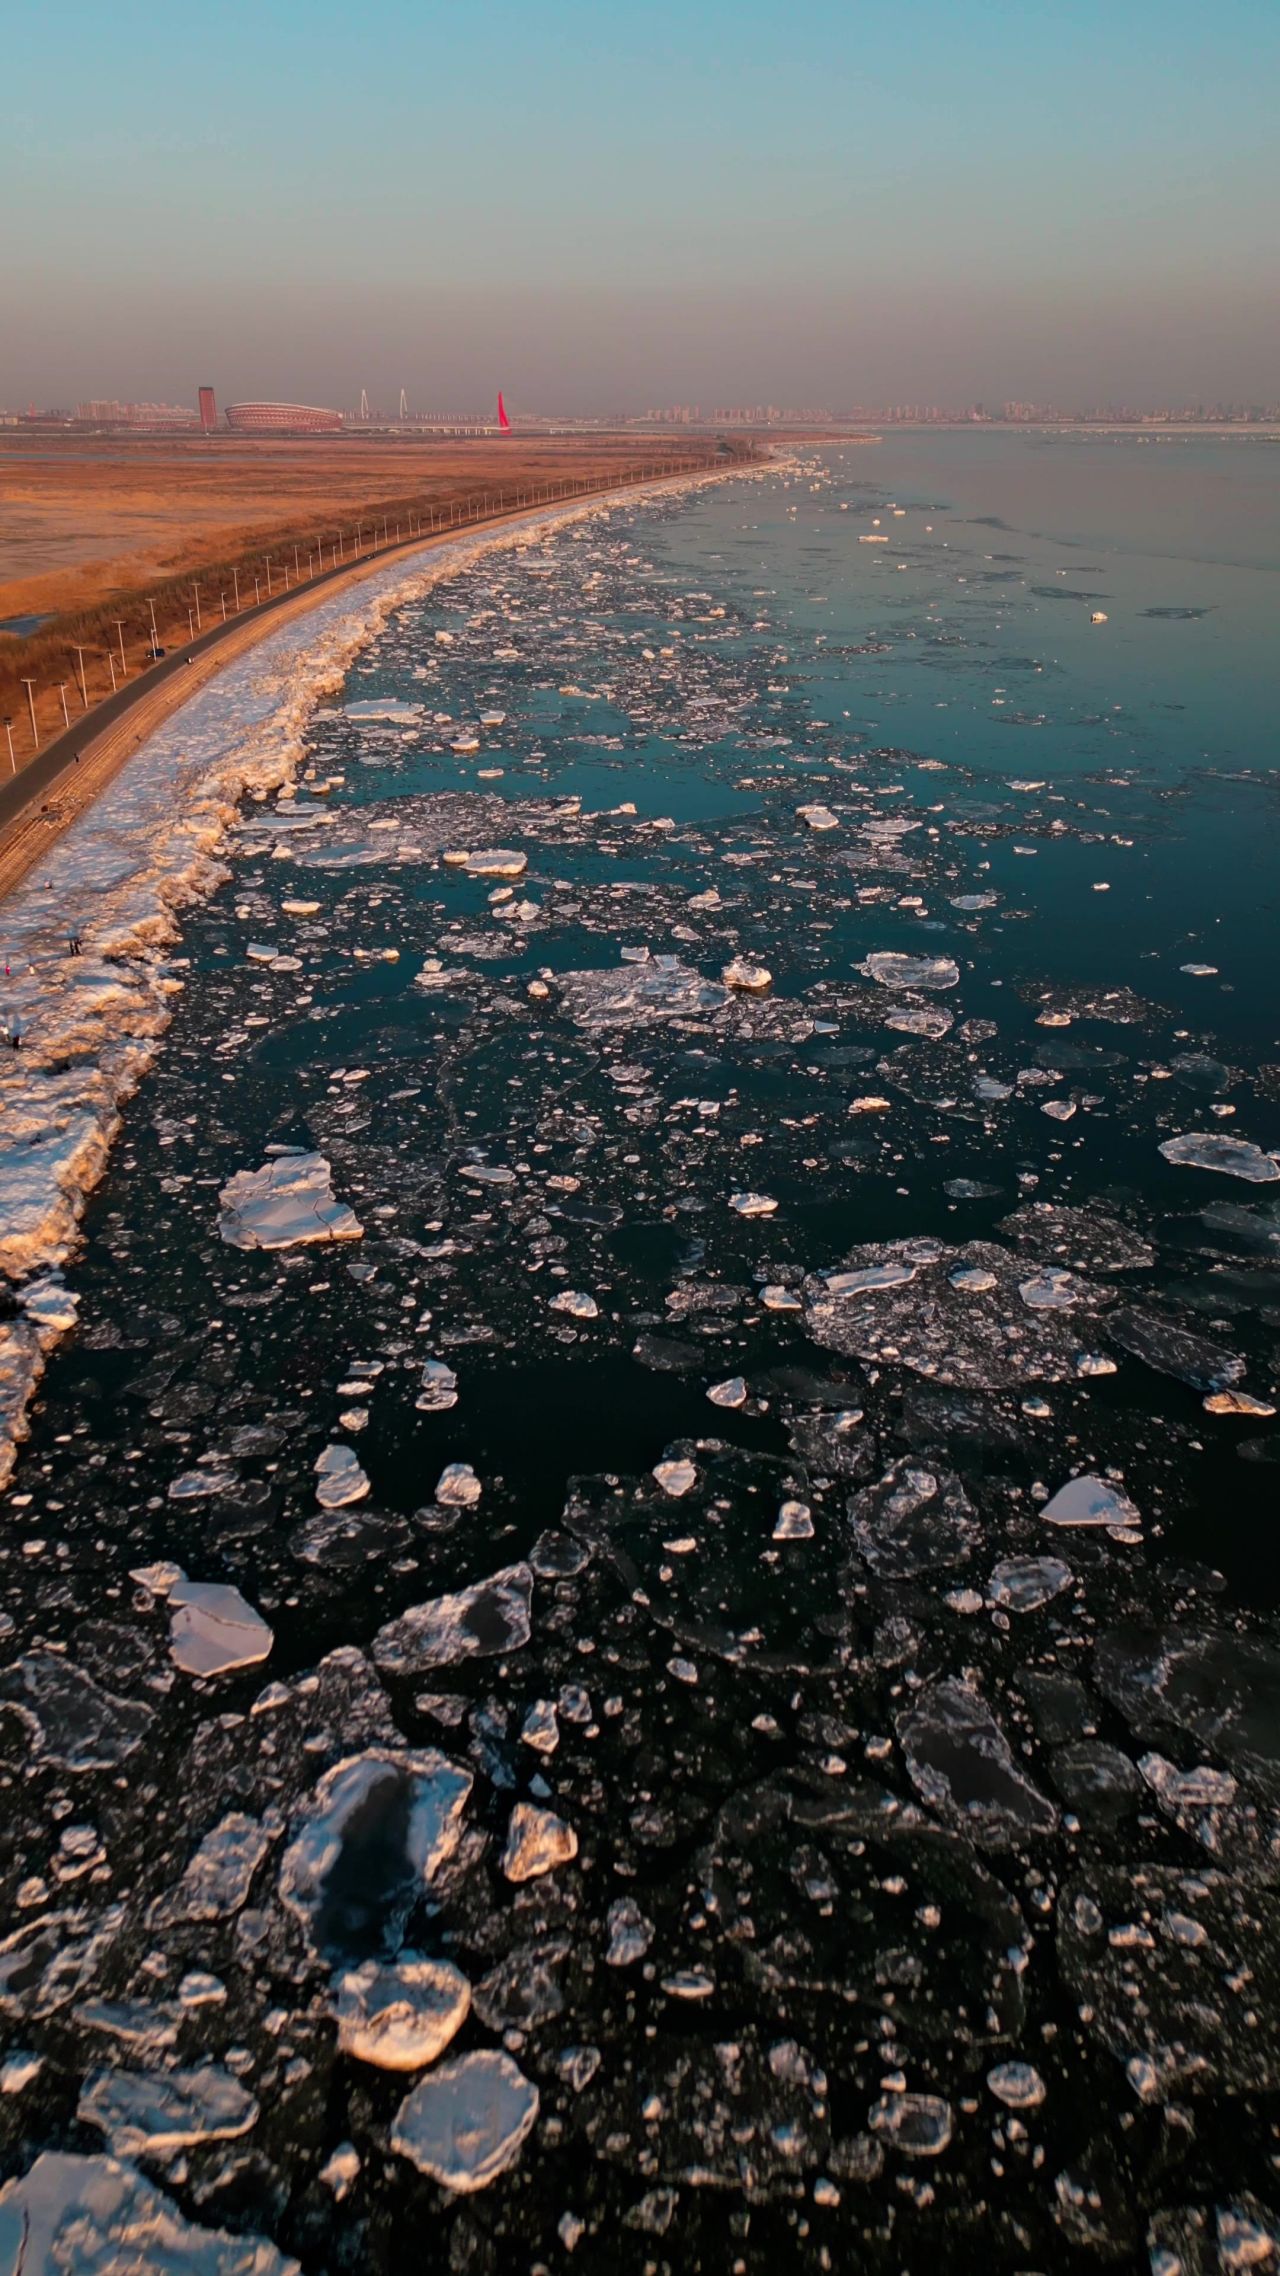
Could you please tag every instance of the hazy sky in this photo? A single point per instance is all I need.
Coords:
(805, 201)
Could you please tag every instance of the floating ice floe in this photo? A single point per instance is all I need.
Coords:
(675, 1478)
(1234, 1157)
(893, 970)
(537, 1842)
(962, 1765)
(480, 1622)
(947, 1320)
(457, 1486)
(465, 2123)
(753, 1204)
(751, 979)
(732, 1393)
(915, 1519)
(630, 1934)
(340, 1478)
(439, 1389)
(794, 1522)
(818, 817)
(288, 1201)
(576, 1303)
(918, 1019)
(1092, 1501)
(661, 989)
(400, 2015)
(1017, 2085)
(1173, 1350)
(213, 1630)
(1024, 1584)
(152, 2114)
(373, 1833)
(93, 2216)
(917, 2125)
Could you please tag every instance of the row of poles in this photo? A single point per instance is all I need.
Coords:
(437, 519)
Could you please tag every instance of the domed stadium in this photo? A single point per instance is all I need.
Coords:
(282, 419)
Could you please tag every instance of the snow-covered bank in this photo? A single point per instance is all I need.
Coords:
(87, 1024)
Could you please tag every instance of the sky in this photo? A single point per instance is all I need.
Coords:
(807, 202)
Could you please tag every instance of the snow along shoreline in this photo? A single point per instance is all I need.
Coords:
(149, 847)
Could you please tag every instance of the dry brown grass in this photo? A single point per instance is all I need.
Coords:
(96, 529)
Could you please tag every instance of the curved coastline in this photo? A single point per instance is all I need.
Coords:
(117, 880)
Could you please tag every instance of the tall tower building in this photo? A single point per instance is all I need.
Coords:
(208, 411)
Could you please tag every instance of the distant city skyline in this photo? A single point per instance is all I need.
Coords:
(817, 203)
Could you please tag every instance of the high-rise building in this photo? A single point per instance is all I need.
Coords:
(208, 411)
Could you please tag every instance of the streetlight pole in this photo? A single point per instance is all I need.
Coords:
(83, 689)
(30, 685)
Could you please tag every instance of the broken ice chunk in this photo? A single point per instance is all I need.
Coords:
(1235, 1157)
(751, 979)
(893, 970)
(675, 1478)
(1237, 1403)
(919, 2125)
(439, 1388)
(369, 1839)
(213, 1630)
(1175, 1351)
(962, 1765)
(753, 1204)
(732, 1393)
(91, 2216)
(480, 1622)
(496, 862)
(818, 817)
(1091, 1501)
(464, 2123)
(288, 1201)
(576, 1303)
(537, 1841)
(1024, 1584)
(400, 2015)
(149, 2114)
(1017, 2085)
(794, 1522)
(630, 1934)
(341, 1478)
(540, 1729)
(914, 1520)
(457, 1486)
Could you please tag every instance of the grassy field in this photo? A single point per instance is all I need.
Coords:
(95, 529)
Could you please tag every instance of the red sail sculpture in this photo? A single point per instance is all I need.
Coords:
(504, 423)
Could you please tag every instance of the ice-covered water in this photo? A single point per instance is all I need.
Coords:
(705, 1693)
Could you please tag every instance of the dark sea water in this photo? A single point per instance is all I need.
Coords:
(913, 1852)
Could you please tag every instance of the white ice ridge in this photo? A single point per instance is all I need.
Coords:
(119, 879)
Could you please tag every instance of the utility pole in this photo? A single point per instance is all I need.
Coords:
(224, 608)
(84, 692)
(155, 637)
(235, 579)
(268, 577)
(13, 764)
(111, 667)
(29, 685)
(62, 690)
(296, 568)
(118, 622)
(257, 592)
(191, 623)
(196, 591)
